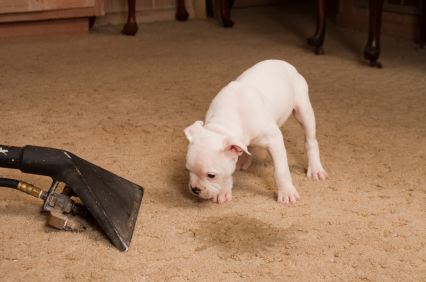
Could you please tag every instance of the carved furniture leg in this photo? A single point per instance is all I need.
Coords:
(131, 27)
(92, 21)
(181, 12)
(317, 40)
(372, 49)
(423, 26)
(225, 13)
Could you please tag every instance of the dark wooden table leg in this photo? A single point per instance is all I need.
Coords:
(131, 27)
(181, 12)
(423, 27)
(225, 13)
(317, 40)
(372, 49)
(92, 21)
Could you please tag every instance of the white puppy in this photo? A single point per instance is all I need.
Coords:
(250, 111)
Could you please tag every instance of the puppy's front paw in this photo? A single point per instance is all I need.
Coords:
(317, 173)
(223, 196)
(288, 195)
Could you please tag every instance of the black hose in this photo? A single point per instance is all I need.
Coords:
(10, 156)
(10, 183)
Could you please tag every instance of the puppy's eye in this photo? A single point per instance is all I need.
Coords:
(211, 175)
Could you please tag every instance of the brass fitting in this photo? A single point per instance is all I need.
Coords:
(30, 189)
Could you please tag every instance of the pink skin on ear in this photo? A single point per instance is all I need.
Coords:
(235, 149)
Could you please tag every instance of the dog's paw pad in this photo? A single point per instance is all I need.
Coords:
(222, 197)
(317, 174)
(288, 196)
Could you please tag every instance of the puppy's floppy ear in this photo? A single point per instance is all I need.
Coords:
(191, 130)
(235, 147)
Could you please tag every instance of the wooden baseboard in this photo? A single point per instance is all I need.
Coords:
(253, 3)
(48, 27)
(142, 16)
(97, 10)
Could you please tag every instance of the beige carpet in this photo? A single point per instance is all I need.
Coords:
(122, 102)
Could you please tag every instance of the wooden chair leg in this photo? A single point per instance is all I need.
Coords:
(225, 13)
(317, 40)
(181, 12)
(92, 21)
(131, 27)
(372, 49)
(423, 26)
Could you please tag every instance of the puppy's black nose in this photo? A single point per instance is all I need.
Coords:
(195, 190)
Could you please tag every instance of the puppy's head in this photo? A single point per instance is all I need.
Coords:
(211, 160)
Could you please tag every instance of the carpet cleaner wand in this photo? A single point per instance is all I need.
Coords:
(90, 191)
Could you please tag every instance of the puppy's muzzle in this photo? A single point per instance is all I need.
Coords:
(195, 190)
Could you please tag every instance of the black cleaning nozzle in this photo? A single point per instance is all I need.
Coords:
(111, 200)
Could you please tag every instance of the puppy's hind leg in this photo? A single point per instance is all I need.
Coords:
(244, 162)
(304, 114)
